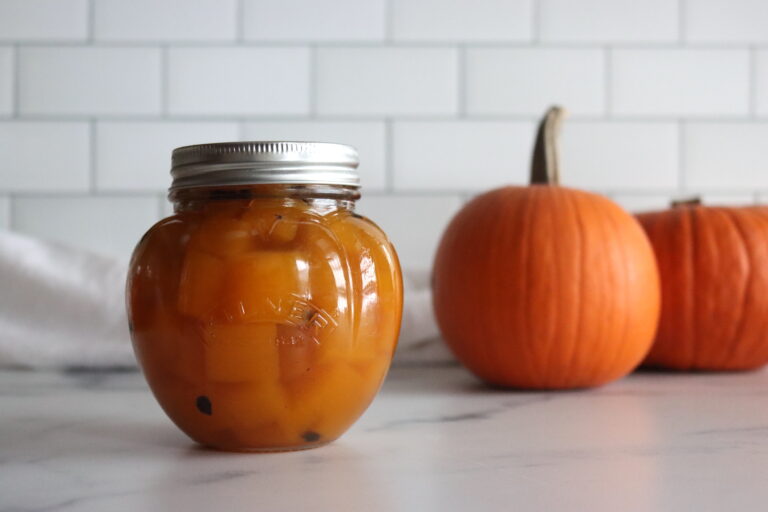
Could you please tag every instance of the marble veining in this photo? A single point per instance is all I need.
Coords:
(434, 439)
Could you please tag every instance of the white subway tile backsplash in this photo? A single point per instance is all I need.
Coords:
(44, 156)
(462, 20)
(7, 77)
(461, 155)
(87, 81)
(680, 82)
(368, 137)
(43, 20)
(726, 199)
(638, 203)
(587, 21)
(166, 206)
(528, 80)
(5, 212)
(602, 155)
(107, 225)
(726, 155)
(439, 97)
(137, 155)
(238, 81)
(414, 224)
(165, 20)
(761, 82)
(387, 81)
(656, 202)
(728, 21)
(314, 20)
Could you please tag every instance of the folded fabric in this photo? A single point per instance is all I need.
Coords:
(62, 307)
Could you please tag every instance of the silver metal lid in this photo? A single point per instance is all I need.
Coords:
(264, 162)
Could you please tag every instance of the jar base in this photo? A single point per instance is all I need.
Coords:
(277, 449)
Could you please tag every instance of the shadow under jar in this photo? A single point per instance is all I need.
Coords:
(265, 311)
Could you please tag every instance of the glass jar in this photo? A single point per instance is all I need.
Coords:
(265, 311)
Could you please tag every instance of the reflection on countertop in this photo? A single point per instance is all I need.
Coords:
(434, 439)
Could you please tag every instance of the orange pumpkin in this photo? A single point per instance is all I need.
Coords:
(546, 287)
(713, 264)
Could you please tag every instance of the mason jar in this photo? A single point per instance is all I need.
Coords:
(264, 312)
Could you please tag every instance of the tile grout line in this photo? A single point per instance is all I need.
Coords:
(407, 44)
(164, 85)
(608, 81)
(536, 22)
(16, 86)
(752, 83)
(389, 164)
(389, 16)
(84, 194)
(352, 118)
(91, 22)
(406, 192)
(388, 43)
(313, 82)
(240, 21)
(461, 84)
(681, 25)
(681, 178)
(92, 169)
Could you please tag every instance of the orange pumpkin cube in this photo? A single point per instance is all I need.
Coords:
(222, 236)
(200, 284)
(242, 353)
(266, 286)
(276, 225)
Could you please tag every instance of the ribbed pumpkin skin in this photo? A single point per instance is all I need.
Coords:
(713, 264)
(545, 287)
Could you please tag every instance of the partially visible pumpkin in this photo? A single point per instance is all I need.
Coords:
(546, 287)
(713, 263)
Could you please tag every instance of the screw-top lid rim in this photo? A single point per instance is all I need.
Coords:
(264, 162)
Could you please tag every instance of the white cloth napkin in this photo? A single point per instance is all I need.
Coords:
(65, 307)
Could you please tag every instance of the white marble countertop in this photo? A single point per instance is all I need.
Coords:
(434, 440)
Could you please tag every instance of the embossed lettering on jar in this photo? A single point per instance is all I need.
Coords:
(265, 311)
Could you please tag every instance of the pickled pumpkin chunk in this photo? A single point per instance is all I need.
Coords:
(244, 406)
(177, 349)
(242, 352)
(328, 270)
(266, 286)
(331, 397)
(297, 349)
(223, 237)
(201, 284)
(277, 225)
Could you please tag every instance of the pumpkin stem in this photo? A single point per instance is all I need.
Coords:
(692, 201)
(545, 165)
